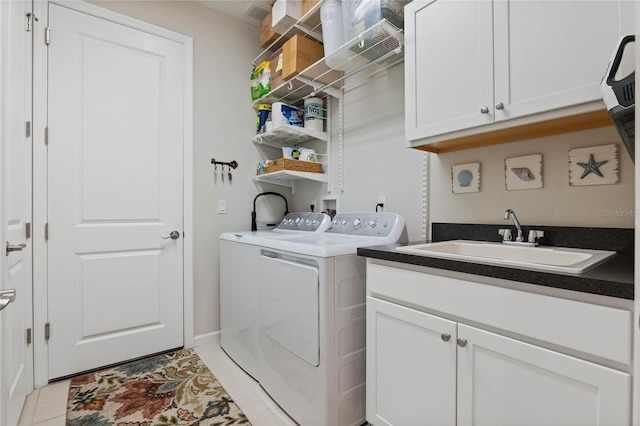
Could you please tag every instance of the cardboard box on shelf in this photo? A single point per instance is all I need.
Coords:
(307, 5)
(267, 35)
(285, 13)
(276, 68)
(298, 53)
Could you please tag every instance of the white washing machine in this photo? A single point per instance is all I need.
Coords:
(312, 318)
(239, 253)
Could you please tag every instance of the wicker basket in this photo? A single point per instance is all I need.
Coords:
(294, 165)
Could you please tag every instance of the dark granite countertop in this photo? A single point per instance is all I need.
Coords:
(614, 277)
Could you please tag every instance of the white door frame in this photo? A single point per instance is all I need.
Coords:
(40, 287)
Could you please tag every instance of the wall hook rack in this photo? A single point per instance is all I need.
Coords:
(232, 164)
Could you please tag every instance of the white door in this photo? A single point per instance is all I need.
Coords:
(16, 354)
(411, 366)
(115, 192)
(502, 381)
(448, 67)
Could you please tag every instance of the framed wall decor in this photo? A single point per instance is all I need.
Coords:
(465, 178)
(596, 165)
(523, 172)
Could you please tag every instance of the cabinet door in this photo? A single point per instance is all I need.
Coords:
(411, 369)
(448, 66)
(502, 381)
(553, 54)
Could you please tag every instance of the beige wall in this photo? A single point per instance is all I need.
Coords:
(609, 206)
(376, 161)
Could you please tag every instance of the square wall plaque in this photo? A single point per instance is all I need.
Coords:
(596, 165)
(523, 172)
(465, 178)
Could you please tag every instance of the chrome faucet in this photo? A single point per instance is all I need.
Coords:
(533, 236)
(510, 214)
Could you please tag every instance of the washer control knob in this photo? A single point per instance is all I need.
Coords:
(298, 220)
(373, 223)
(357, 223)
(315, 221)
(336, 222)
(345, 223)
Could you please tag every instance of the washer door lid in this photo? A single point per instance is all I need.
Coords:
(289, 306)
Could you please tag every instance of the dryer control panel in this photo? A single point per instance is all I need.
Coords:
(304, 221)
(371, 224)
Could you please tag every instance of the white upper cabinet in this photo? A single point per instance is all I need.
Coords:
(482, 65)
(448, 66)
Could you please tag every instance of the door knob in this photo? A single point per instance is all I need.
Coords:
(6, 297)
(14, 247)
(445, 337)
(484, 110)
(500, 106)
(462, 342)
(174, 235)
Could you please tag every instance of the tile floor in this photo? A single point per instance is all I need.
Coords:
(47, 406)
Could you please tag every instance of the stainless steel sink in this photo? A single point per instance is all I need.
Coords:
(552, 259)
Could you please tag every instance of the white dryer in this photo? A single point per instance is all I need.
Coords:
(312, 318)
(239, 253)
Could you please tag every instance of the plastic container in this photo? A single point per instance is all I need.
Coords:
(360, 15)
(313, 114)
(333, 33)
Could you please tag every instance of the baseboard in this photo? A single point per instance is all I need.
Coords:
(207, 338)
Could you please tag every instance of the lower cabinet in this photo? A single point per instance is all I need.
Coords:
(411, 366)
(426, 370)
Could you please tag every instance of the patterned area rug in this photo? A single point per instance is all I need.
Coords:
(170, 389)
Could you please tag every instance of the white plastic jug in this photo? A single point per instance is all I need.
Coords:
(332, 32)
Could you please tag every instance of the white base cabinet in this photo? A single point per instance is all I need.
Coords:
(426, 368)
(503, 381)
(403, 388)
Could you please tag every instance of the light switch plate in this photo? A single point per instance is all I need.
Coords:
(222, 206)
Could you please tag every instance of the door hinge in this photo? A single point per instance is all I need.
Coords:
(28, 129)
(28, 336)
(47, 331)
(46, 231)
(27, 230)
(47, 36)
(46, 135)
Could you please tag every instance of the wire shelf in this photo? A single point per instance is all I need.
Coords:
(380, 45)
(289, 136)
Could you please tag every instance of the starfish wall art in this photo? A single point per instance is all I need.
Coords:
(596, 165)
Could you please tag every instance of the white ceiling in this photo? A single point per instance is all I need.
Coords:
(250, 11)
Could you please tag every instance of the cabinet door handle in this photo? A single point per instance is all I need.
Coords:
(445, 337)
(500, 106)
(462, 342)
(484, 110)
